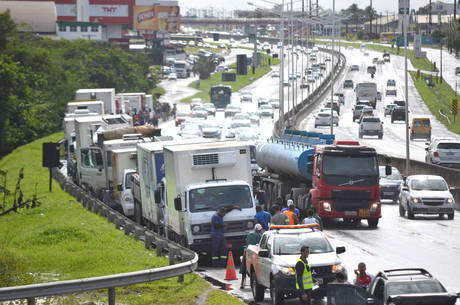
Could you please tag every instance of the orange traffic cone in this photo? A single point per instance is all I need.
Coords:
(230, 275)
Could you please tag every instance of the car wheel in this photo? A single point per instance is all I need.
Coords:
(277, 298)
(337, 125)
(450, 216)
(402, 211)
(257, 290)
(373, 222)
(410, 214)
(392, 120)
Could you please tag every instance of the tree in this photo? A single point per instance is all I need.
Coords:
(7, 29)
(204, 66)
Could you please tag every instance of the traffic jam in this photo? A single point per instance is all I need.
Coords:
(289, 210)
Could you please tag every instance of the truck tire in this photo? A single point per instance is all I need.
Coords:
(258, 291)
(410, 214)
(380, 136)
(373, 222)
(450, 216)
(275, 295)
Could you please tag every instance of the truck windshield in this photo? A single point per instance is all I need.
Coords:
(128, 181)
(349, 165)
(212, 198)
(179, 66)
(290, 245)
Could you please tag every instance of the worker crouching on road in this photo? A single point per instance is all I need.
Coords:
(303, 277)
(253, 238)
(219, 244)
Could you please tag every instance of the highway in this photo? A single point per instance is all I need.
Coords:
(426, 242)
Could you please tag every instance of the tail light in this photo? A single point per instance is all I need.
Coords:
(381, 126)
(435, 153)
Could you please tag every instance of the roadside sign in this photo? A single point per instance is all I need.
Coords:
(454, 107)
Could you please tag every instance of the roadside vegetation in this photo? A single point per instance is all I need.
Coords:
(241, 80)
(438, 97)
(194, 50)
(61, 240)
(39, 76)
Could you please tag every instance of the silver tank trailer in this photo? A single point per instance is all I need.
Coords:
(285, 159)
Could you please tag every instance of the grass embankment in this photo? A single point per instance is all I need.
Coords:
(61, 240)
(194, 50)
(438, 97)
(241, 80)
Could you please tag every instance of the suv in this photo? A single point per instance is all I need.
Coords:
(371, 69)
(348, 84)
(370, 126)
(420, 128)
(394, 286)
(398, 114)
(354, 68)
(444, 152)
(271, 263)
(391, 83)
(246, 96)
(341, 97)
(426, 194)
(390, 185)
(357, 110)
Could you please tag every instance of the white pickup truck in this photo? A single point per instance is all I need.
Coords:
(370, 126)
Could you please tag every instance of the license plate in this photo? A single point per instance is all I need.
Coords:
(449, 153)
(387, 193)
(350, 213)
(364, 212)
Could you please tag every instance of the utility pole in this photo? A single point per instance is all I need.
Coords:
(429, 19)
(281, 84)
(406, 89)
(455, 10)
(370, 20)
(332, 67)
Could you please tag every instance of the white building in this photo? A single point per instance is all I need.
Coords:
(79, 29)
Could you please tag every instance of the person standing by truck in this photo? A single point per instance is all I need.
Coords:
(293, 219)
(218, 242)
(304, 279)
(262, 217)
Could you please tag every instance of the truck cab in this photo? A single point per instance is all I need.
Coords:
(271, 263)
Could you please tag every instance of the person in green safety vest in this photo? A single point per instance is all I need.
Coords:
(304, 279)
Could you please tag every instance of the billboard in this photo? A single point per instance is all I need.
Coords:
(156, 18)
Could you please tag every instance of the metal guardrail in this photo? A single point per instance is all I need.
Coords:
(174, 251)
(445, 117)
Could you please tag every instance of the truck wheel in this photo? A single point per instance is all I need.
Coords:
(450, 216)
(257, 290)
(402, 211)
(277, 298)
(373, 222)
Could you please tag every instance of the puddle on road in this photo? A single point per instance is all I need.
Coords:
(219, 284)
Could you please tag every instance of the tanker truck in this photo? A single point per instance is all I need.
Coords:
(339, 179)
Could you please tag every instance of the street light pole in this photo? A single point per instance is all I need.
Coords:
(332, 67)
(406, 89)
(281, 84)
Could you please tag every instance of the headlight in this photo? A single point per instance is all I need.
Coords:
(450, 200)
(374, 206)
(287, 270)
(250, 224)
(196, 229)
(415, 200)
(327, 206)
(337, 268)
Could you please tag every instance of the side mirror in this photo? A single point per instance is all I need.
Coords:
(387, 170)
(178, 204)
(99, 160)
(387, 160)
(119, 187)
(310, 168)
(427, 149)
(263, 253)
(157, 195)
(71, 148)
(339, 250)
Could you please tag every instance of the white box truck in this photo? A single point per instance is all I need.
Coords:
(91, 106)
(123, 167)
(200, 178)
(106, 95)
(367, 91)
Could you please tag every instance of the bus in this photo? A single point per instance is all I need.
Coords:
(388, 36)
(221, 95)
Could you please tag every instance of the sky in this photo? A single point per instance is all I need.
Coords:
(379, 5)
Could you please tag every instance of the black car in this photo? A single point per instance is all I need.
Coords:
(398, 114)
(348, 84)
(390, 185)
(371, 69)
(400, 103)
(396, 287)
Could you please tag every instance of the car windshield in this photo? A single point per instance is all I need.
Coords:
(242, 123)
(241, 116)
(210, 124)
(395, 175)
(429, 184)
(264, 107)
(212, 198)
(449, 146)
(397, 288)
(359, 165)
(290, 245)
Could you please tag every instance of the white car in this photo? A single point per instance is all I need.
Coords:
(254, 117)
(241, 116)
(444, 152)
(266, 110)
(172, 76)
(211, 129)
(246, 134)
(275, 74)
(426, 194)
(246, 96)
(324, 119)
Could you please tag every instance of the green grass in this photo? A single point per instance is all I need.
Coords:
(438, 97)
(61, 240)
(216, 298)
(158, 89)
(241, 80)
(194, 50)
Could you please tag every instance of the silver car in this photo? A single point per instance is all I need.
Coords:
(246, 97)
(426, 194)
(444, 152)
(211, 129)
(390, 185)
(266, 110)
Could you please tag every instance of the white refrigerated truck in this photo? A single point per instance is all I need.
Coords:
(200, 178)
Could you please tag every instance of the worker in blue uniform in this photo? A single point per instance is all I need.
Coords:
(219, 244)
